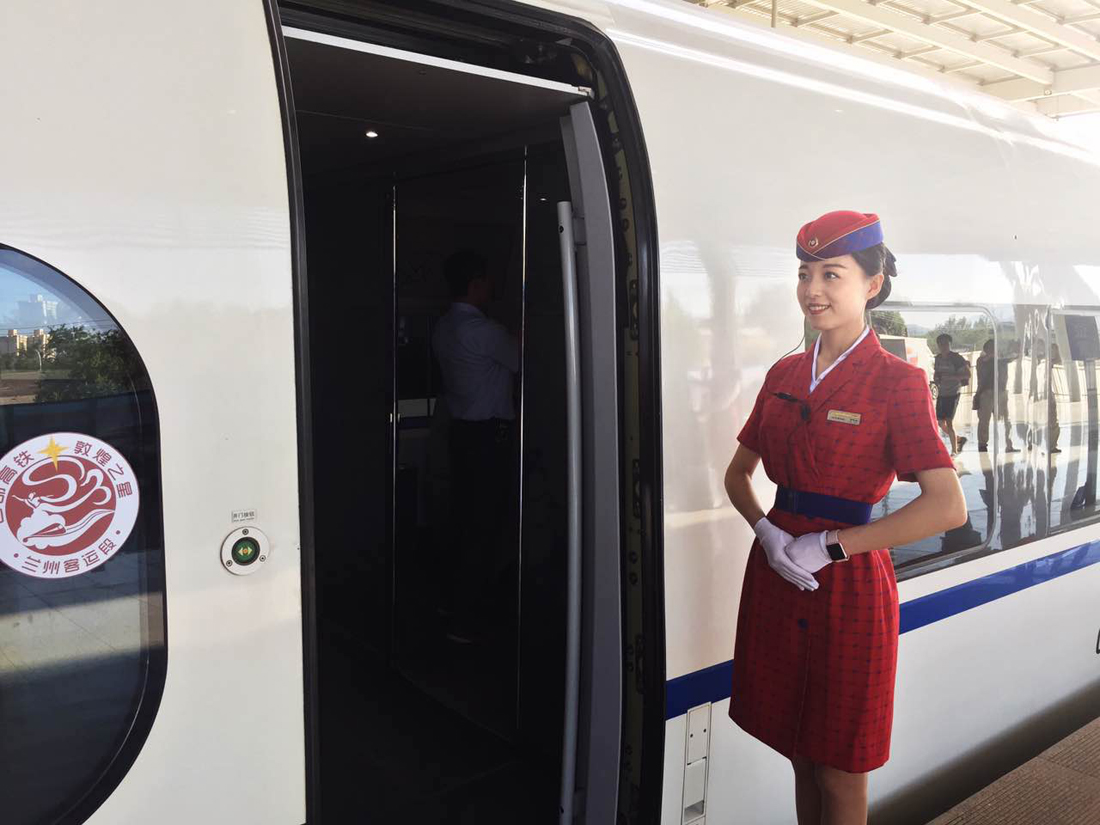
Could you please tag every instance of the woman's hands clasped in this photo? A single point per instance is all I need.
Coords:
(809, 551)
(777, 544)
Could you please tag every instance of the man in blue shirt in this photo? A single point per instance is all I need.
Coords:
(478, 359)
(477, 355)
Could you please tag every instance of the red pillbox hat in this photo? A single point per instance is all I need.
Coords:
(837, 233)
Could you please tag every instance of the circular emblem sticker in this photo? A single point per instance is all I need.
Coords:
(67, 503)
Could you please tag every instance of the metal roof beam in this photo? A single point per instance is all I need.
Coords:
(962, 67)
(920, 60)
(911, 27)
(810, 35)
(1066, 105)
(917, 52)
(951, 15)
(1047, 49)
(1018, 88)
(981, 38)
(813, 18)
(1081, 18)
(1065, 82)
(1038, 24)
(859, 38)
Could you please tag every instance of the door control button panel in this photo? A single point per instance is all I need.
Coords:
(245, 550)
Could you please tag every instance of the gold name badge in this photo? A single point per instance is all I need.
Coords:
(844, 417)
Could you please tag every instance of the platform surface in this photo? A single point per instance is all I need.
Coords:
(1060, 786)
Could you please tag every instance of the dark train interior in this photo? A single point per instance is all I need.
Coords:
(403, 164)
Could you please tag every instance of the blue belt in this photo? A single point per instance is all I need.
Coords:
(819, 505)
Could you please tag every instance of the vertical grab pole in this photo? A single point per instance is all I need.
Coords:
(573, 552)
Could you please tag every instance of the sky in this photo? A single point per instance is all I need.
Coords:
(16, 287)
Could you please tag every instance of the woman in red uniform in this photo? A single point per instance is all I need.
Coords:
(817, 629)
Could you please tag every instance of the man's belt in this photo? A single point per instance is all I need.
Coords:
(818, 505)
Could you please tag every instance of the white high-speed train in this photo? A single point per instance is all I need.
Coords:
(226, 539)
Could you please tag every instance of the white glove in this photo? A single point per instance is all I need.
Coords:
(809, 552)
(774, 541)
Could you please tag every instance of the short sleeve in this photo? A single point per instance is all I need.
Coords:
(750, 433)
(912, 435)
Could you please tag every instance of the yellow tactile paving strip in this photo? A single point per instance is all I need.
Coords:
(1061, 786)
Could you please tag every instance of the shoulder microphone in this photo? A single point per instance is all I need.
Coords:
(804, 408)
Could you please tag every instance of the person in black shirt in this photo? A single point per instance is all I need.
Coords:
(950, 373)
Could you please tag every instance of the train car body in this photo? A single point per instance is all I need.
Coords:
(152, 182)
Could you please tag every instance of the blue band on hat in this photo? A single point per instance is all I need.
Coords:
(860, 239)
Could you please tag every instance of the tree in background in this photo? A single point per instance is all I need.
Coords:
(967, 335)
(94, 363)
(888, 322)
(21, 361)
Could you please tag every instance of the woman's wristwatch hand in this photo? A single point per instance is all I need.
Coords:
(834, 548)
(809, 552)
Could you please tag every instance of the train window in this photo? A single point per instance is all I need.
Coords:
(82, 644)
(1070, 357)
(968, 366)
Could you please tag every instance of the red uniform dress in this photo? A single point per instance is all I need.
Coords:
(813, 672)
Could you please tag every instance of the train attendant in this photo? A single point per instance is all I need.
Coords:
(817, 629)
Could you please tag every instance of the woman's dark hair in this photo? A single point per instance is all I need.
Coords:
(876, 259)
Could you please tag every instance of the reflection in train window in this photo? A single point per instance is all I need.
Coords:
(970, 368)
(1072, 418)
(81, 580)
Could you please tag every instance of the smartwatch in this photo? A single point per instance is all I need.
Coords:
(835, 549)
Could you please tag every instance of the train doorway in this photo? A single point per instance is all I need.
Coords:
(435, 704)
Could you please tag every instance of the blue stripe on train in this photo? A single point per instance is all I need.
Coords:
(712, 684)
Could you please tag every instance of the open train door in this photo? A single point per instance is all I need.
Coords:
(145, 225)
(593, 717)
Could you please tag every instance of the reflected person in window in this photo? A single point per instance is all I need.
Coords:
(817, 628)
(478, 360)
(951, 372)
(984, 395)
(1052, 405)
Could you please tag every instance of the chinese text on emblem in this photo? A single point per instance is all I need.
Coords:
(68, 501)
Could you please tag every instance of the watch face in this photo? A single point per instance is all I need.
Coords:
(836, 552)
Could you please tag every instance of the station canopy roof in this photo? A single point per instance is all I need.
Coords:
(1041, 54)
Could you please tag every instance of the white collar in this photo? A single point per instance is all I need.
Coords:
(816, 379)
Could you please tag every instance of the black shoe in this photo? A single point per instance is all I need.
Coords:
(1055, 450)
(982, 448)
(1011, 450)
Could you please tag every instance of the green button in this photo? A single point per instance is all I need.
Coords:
(245, 551)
